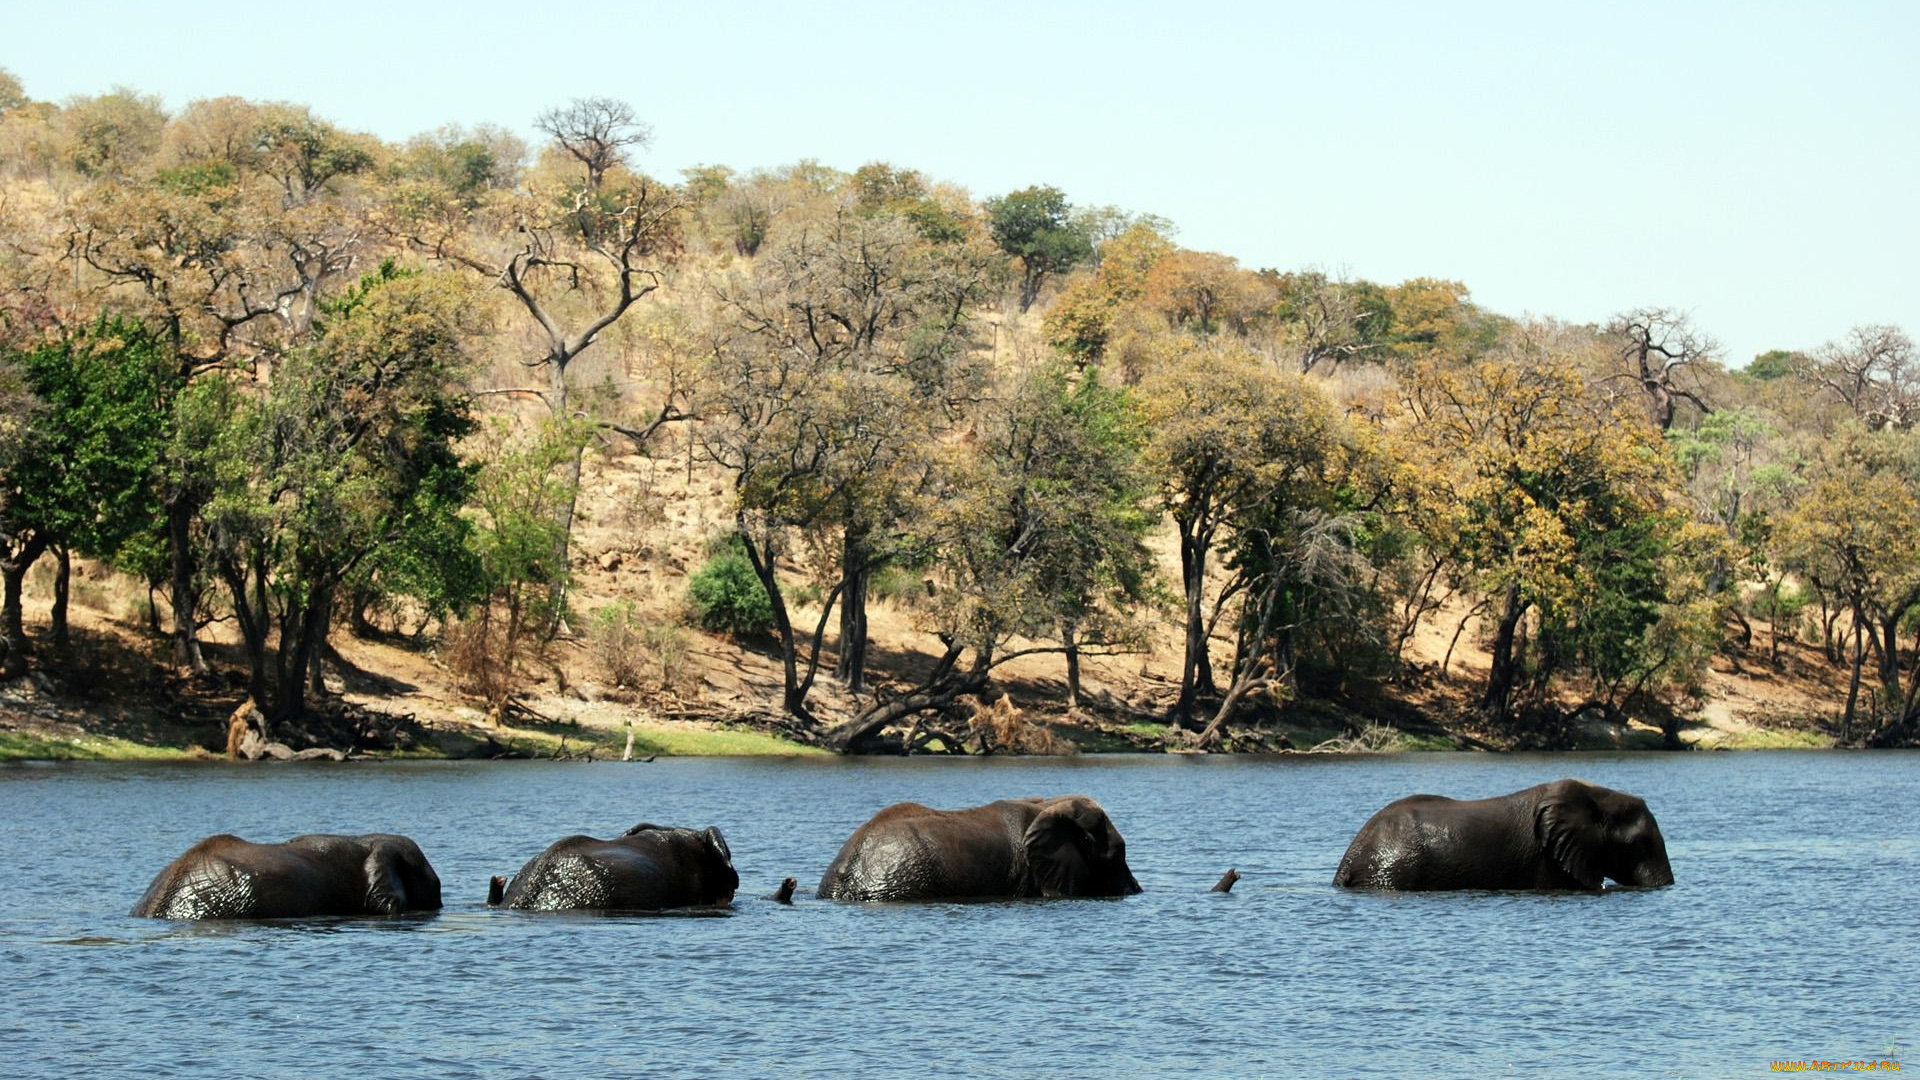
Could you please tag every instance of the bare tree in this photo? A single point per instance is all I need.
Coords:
(596, 131)
(1872, 372)
(597, 249)
(1660, 349)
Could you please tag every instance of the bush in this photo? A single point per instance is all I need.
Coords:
(667, 649)
(614, 636)
(633, 654)
(728, 597)
(898, 584)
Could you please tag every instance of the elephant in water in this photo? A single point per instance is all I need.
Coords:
(1013, 848)
(646, 868)
(225, 877)
(1564, 835)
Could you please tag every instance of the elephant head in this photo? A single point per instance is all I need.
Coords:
(1594, 833)
(1072, 849)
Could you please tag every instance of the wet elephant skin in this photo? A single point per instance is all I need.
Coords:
(647, 868)
(225, 877)
(1035, 847)
(1564, 835)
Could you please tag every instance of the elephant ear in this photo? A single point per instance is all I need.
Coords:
(1573, 832)
(1058, 844)
(386, 889)
(718, 843)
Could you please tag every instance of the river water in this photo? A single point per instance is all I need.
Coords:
(1791, 933)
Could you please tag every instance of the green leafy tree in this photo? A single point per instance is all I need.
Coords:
(837, 362)
(1539, 489)
(1033, 531)
(522, 481)
(1233, 443)
(89, 485)
(316, 472)
(1851, 535)
(1036, 226)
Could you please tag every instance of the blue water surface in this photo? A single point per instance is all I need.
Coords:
(1791, 933)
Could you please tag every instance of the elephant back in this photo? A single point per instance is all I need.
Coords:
(649, 868)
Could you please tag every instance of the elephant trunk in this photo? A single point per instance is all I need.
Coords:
(1654, 875)
(496, 890)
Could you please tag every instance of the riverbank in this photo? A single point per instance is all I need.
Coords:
(114, 695)
(94, 715)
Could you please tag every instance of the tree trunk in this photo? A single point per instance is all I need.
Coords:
(793, 697)
(1196, 670)
(1246, 674)
(317, 647)
(1500, 678)
(856, 572)
(939, 690)
(62, 588)
(1070, 637)
(13, 632)
(301, 631)
(186, 608)
(1853, 683)
(1029, 290)
(557, 596)
(357, 621)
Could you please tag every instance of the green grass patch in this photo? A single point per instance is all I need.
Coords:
(675, 740)
(27, 746)
(1771, 739)
(1410, 740)
(664, 739)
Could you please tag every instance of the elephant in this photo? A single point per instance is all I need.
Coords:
(1567, 834)
(646, 868)
(225, 877)
(1036, 847)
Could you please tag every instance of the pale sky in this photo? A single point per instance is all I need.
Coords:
(1754, 164)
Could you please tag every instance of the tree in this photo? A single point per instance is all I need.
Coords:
(595, 132)
(20, 542)
(316, 471)
(1772, 364)
(835, 365)
(880, 188)
(1323, 321)
(1036, 226)
(522, 481)
(1081, 320)
(1230, 441)
(1537, 488)
(1033, 532)
(583, 252)
(1662, 352)
(1872, 372)
(1203, 291)
(226, 254)
(89, 484)
(1434, 317)
(112, 134)
(1851, 535)
(12, 94)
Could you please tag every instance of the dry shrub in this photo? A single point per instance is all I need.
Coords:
(613, 638)
(1372, 739)
(634, 655)
(485, 659)
(1002, 728)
